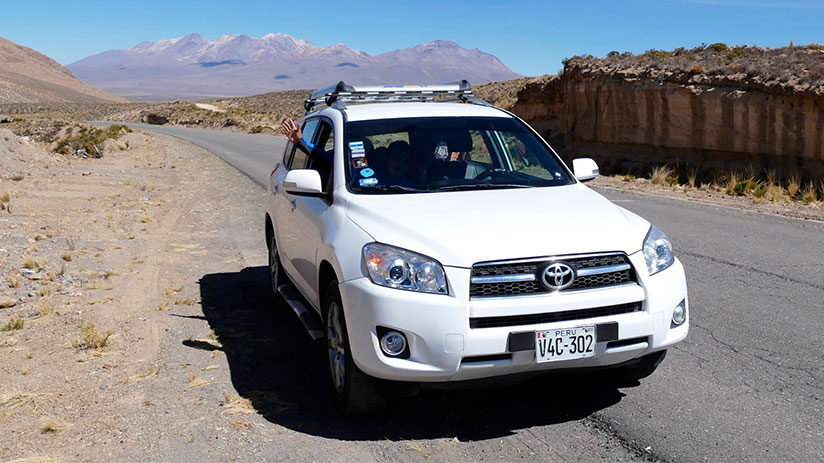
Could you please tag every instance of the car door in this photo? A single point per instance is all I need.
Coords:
(287, 231)
(311, 214)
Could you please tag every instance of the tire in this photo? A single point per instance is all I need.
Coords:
(354, 391)
(644, 367)
(274, 266)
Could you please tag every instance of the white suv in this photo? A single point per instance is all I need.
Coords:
(438, 242)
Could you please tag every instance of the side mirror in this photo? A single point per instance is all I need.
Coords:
(585, 169)
(303, 182)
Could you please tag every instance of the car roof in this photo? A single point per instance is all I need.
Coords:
(371, 111)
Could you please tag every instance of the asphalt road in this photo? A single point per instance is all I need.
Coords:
(747, 383)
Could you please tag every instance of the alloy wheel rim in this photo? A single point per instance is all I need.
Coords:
(337, 351)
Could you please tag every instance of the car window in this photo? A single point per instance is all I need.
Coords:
(325, 137)
(309, 128)
(447, 154)
(287, 154)
(298, 159)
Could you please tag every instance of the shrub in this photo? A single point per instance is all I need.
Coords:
(14, 323)
(88, 140)
(660, 174)
(92, 339)
(718, 47)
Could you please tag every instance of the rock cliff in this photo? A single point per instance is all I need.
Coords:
(630, 116)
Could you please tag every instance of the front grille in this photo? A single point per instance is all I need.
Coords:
(534, 319)
(530, 283)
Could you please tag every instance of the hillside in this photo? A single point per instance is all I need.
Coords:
(194, 68)
(27, 76)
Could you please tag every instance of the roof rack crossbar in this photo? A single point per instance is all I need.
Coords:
(341, 92)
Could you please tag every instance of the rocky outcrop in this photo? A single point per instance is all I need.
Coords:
(622, 119)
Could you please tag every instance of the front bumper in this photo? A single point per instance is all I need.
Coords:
(443, 347)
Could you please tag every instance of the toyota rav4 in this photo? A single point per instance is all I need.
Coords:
(432, 241)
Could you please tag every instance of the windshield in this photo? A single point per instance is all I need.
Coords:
(429, 154)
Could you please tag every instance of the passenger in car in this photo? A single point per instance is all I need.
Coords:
(398, 166)
(295, 135)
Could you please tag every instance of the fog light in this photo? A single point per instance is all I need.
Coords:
(679, 314)
(393, 343)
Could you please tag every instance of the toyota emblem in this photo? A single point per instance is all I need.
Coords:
(557, 276)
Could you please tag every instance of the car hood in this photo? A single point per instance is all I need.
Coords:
(464, 227)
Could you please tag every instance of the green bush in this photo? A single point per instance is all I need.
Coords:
(750, 187)
(89, 139)
(657, 54)
(718, 47)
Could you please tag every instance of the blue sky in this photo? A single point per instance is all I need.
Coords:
(531, 37)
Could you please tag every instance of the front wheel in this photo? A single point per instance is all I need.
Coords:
(354, 391)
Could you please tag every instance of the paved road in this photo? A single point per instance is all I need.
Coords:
(747, 383)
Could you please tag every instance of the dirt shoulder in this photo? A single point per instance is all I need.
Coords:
(715, 196)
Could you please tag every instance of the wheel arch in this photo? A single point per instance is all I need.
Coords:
(326, 273)
(270, 230)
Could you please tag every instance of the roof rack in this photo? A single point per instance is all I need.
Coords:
(336, 95)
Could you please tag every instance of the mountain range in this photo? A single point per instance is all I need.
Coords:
(192, 67)
(27, 76)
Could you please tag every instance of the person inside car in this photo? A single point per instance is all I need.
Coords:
(397, 163)
(295, 135)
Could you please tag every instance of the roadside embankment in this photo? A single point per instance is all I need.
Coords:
(713, 107)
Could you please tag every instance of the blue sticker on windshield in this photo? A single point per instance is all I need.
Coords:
(367, 172)
(368, 182)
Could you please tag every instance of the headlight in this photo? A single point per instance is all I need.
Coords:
(402, 269)
(657, 250)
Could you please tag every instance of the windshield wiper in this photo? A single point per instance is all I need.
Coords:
(483, 186)
(392, 188)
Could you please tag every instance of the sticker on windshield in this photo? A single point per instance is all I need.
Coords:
(359, 163)
(368, 181)
(441, 151)
(357, 149)
(367, 172)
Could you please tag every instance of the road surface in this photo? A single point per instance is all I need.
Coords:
(745, 386)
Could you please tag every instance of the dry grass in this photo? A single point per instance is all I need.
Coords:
(691, 177)
(186, 301)
(29, 263)
(145, 219)
(13, 324)
(234, 404)
(793, 185)
(44, 310)
(92, 339)
(5, 197)
(37, 459)
(808, 194)
(51, 426)
(732, 180)
(660, 174)
(150, 372)
(67, 256)
(13, 400)
(197, 381)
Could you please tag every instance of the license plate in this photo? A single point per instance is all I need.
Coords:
(565, 344)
